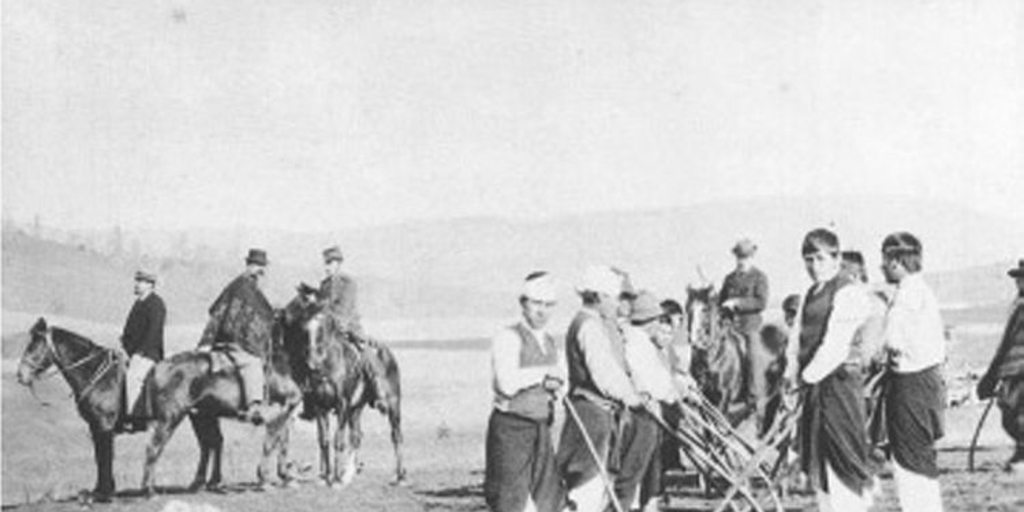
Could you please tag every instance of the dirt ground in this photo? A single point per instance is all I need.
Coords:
(47, 456)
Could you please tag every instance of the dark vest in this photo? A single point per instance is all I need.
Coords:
(533, 402)
(581, 382)
(816, 311)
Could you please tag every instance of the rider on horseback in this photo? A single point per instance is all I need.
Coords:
(241, 324)
(143, 341)
(338, 296)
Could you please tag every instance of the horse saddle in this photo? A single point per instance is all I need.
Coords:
(221, 360)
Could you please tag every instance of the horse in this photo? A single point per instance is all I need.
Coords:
(339, 378)
(717, 361)
(175, 388)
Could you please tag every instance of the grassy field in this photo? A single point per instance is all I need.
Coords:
(47, 455)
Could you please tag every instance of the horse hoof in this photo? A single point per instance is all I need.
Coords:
(195, 486)
(218, 487)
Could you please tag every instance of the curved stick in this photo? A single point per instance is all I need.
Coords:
(977, 432)
(593, 452)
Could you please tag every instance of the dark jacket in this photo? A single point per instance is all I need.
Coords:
(144, 330)
(338, 292)
(1009, 357)
(241, 316)
(750, 289)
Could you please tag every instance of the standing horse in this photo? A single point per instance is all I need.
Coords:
(96, 376)
(183, 385)
(339, 378)
(717, 363)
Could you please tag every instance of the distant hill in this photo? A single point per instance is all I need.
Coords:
(471, 268)
(43, 277)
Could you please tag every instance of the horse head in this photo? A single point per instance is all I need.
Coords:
(701, 314)
(39, 355)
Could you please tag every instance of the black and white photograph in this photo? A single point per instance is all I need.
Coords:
(534, 256)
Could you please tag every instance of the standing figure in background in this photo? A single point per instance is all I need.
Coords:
(915, 396)
(241, 324)
(529, 371)
(832, 437)
(1005, 374)
(745, 294)
(143, 341)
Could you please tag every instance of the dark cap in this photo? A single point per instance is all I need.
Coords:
(791, 303)
(333, 253)
(142, 275)
(256, 257)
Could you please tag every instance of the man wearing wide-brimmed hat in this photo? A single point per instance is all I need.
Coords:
(143, 341)
(1005, 375)
(600, 392)
(241, 323)
(528, 371)
(745, 294)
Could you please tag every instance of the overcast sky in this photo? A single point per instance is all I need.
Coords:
(324, 114)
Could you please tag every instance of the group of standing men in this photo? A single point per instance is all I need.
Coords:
(623, 374)
(241, 324)
(618, 364)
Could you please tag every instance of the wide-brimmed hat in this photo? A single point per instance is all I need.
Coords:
(540, 287)
(333, 253)
(646, 307)
(145, 275)
(1017, 272)
(744, 248)
(601, 279)
(256, 257)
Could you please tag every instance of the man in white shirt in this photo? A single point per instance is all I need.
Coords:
(520, 474)
(832, 439)
(915, 397)
(639, 481)
(600, 392)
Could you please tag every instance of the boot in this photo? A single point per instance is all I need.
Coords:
(308, 409)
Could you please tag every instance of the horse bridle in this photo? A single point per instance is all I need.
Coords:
(62, 367)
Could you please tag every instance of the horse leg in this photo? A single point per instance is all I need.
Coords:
(103, 447)
(277, 429)
(355, 441)
(162, 432)
(395, 419)
(323, 431)
(216, 481)
(201, 427)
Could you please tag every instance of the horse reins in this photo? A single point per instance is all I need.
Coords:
(62, 367)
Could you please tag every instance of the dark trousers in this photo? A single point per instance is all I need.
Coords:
(520, 464)
(637, 449)
(915, 406)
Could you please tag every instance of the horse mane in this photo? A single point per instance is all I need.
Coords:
(41, 327)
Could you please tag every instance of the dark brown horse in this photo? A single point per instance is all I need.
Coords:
(181, 386)
(342, 379)
(95, 374)
(717, 363)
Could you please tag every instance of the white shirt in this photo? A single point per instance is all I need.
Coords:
(509, 376)
(914, 331)
(850, 309)
(608, 375)
(648, 371)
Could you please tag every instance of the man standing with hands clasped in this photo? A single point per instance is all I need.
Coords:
(529, 370)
